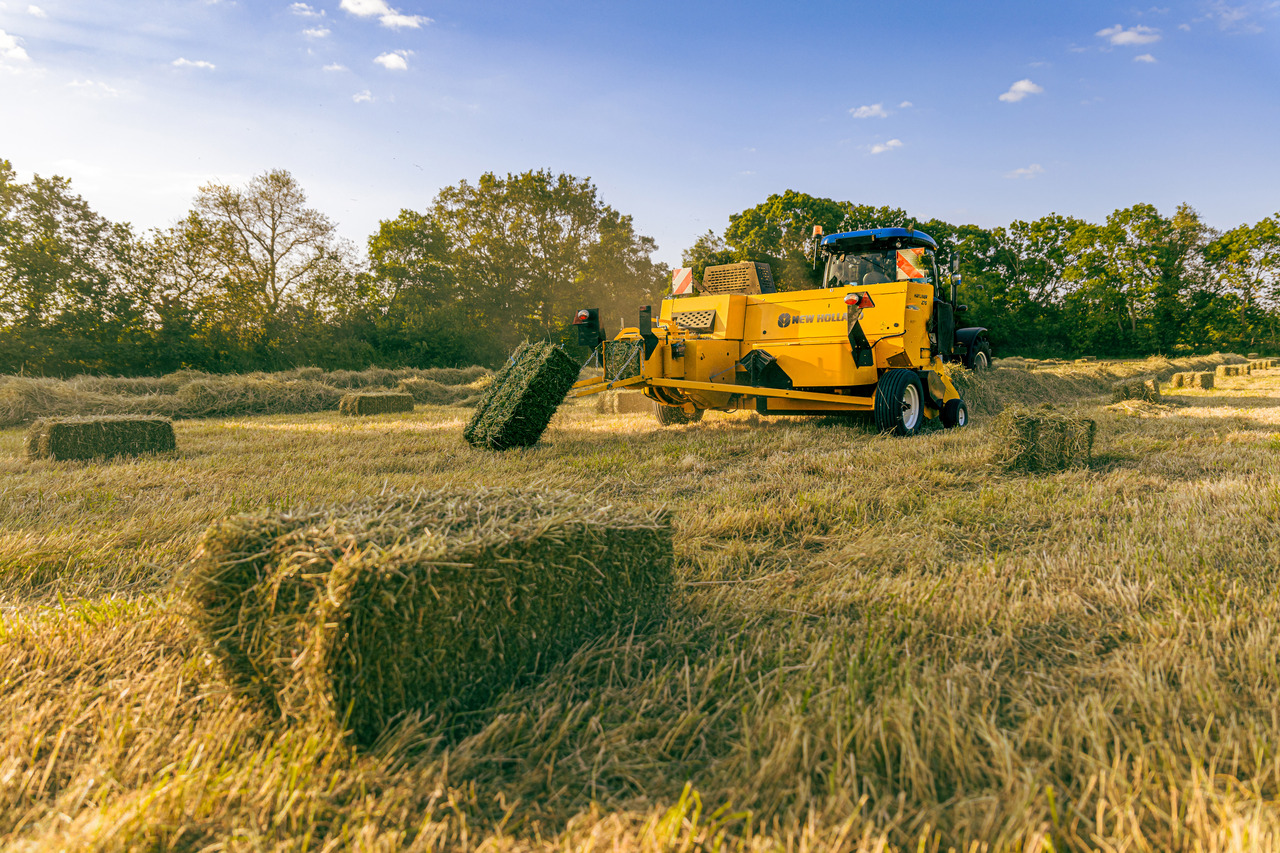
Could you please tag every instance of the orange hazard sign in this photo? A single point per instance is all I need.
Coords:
(682, 281)
(910, 264)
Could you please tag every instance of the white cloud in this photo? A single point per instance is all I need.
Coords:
(335, 66)
(1118, 35)
(881, 147)
(1240, 19)
(316, 32)
(1026, 172)
(37, 12)
(870, 111)
(1186, 28)
(11, 49)
(386, 15)
(905, 105)
(1145, 57)
(306, 11)
(182, 62)
(1020, 90)
(363, 97)
(93, 89)
(394, 61)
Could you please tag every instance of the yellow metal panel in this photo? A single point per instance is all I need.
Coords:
(728, 308)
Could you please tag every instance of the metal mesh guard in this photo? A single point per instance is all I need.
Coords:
(727, 280)
(696, 321)
(622, 359)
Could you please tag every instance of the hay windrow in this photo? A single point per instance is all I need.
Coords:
(375, 404)
(516, 408)
(431, 601)
(1042, 441)
(98, 437)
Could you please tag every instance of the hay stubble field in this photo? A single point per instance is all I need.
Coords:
(874, 641)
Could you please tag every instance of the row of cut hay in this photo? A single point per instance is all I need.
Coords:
(422, 601)
(990, 391)
(192, 394)
(375, 403)
(1192, 379)
(1041, 440)
(1139, 388)
(516, 408)
(100, 437)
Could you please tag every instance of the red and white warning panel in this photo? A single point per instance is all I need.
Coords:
(910, 264)
(682, 282)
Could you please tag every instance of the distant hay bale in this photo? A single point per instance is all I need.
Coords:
(1086, 359)
(1251, 355)
(375, 404)
(1139, 388)
(420, 601)
(1224, 371)
(1179, 380)
(98, 437)
(1042, 440)
(623, 403)
(515, 410)
(1203, 379)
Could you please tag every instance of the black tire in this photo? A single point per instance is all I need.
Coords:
(675, 415)
(955, 414)
(980, 356)
(899, 405)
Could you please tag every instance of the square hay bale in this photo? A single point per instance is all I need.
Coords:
(623, 403)
(1179, 380)
(516, 408)
(1086, 359)
(1042, 440)
(420, 601)
(375, 403)
(1251, 355)
(1139, 388)
(1203, 379)
(1224, 371)
(98, 437)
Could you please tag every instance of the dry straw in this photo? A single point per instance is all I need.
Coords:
(1139, 388)
(1228, 370)
(424, 601)
(516, 408)
(100, 437)
(1042, 440)
(375, 404)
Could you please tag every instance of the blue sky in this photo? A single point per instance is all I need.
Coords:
(681, 112)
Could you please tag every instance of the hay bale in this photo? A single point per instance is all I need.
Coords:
(375, 403)
(1139, 388)
(1225, 371)
(1203, 380)
(98, 437)
(420, 601)
(1086, 359)
(1251, 355)
(1178, 380)
(516, 408)
(1042, 440)
(623, 403)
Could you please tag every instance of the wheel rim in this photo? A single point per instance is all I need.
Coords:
(910, 407)
(962, 416)
(980, 361)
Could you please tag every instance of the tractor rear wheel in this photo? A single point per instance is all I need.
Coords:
(954, 414)
(980, 359)
(675, 415)
(899, 405)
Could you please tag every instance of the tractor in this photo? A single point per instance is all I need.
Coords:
(877, 336)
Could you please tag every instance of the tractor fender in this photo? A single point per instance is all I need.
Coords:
(968, 335)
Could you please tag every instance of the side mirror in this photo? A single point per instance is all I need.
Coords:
(960, 309)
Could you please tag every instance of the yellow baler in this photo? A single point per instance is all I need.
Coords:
(875, 338)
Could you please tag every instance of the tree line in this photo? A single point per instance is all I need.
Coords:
(253, 278)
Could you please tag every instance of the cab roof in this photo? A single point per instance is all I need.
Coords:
(878, 238)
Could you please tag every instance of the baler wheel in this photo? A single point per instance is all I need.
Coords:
(899, 404)
(675, 415)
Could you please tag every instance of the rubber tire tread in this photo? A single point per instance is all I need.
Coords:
(983, 347)
(888, 401)
(951, 413)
